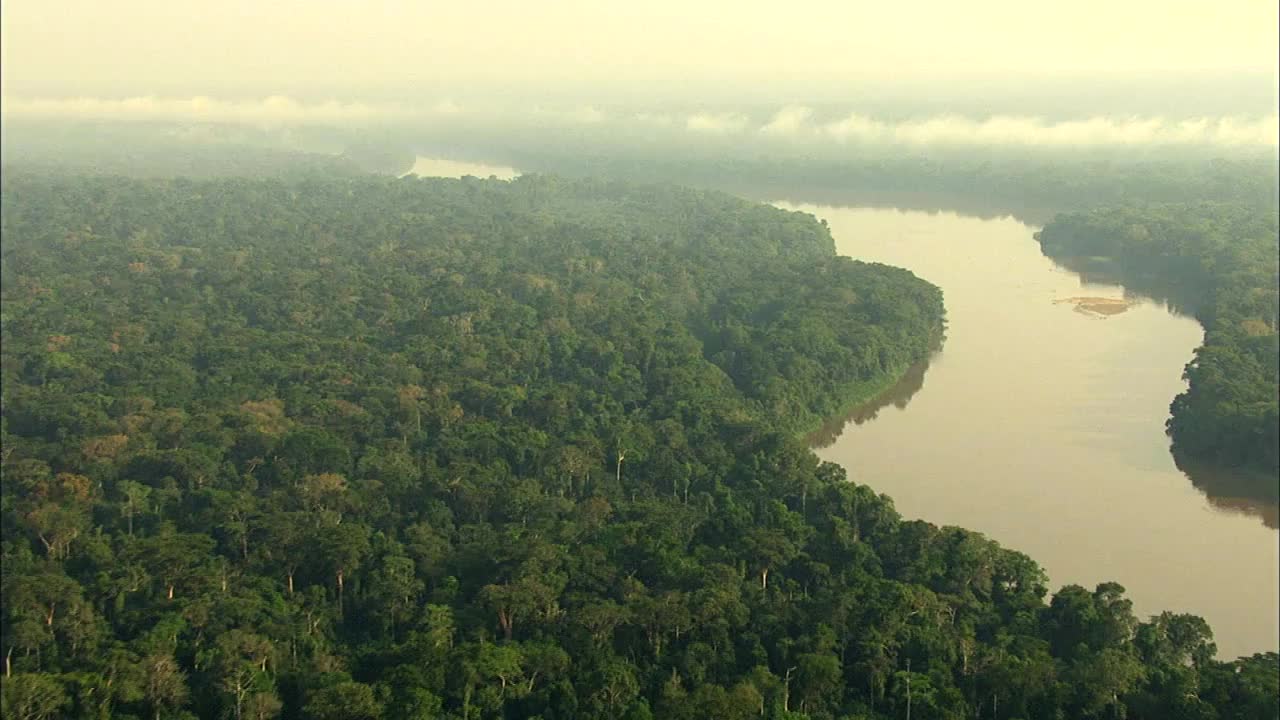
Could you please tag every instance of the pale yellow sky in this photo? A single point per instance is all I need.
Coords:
(132, 47)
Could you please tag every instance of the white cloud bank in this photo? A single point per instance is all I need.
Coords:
(274, 110)
(791, 124)
(1013, 130)
(715, 123)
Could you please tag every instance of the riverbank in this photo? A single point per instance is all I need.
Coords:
(1224, 255)
(856, 395)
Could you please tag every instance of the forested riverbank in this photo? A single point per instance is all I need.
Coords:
(363, 448)
(1221, 259)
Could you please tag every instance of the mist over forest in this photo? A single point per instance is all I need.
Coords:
(548, 360)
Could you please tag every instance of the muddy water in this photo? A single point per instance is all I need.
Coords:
(1040, 423)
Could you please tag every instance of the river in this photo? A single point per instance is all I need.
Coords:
(440, 167)
(1040, 423)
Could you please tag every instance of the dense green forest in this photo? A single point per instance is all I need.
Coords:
(1221, 261)
(362, 448)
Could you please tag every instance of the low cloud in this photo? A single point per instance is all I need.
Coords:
(790, 125)
(1010, 130)
(797, 124)
(446, 107)
(275, 110)
(789, 120)
(716, 123)
(658, 119)
(582, 115)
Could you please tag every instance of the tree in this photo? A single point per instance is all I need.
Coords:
(58, 512)
(166, 687)
(345, 700)
(263, 706)
(393, 590)
(32, 696)
(819, 682)
(767, 549)
(242, 662)
(176, 559)
(133, 500)
(342, 548)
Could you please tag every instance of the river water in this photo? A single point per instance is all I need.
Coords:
(1040, 423)
(440, 167)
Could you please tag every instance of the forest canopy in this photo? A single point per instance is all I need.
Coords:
(360, 447)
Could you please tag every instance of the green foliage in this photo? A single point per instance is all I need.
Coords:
(368, 448)
(33, 696)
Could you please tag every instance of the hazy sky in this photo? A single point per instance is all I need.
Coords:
(381, 48)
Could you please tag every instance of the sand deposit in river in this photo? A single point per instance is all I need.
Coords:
(1098, 306)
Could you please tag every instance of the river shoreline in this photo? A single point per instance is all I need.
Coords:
(858, 394)
(1043, 428)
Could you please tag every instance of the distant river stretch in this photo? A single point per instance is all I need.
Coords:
(1040, 424)
(438, 167)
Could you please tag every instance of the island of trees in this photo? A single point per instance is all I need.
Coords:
(361, 448)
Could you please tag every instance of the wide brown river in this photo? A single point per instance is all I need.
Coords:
(1040, 423)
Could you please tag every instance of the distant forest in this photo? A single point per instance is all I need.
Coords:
(356, 447)
(1031, 187)
(1031, 183)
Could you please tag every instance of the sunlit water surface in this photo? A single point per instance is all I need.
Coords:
(439, 167)
(1040, 424)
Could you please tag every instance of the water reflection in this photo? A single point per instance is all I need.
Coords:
(1106, 271)
(898, 396)
(1235, 490)
(1268, 512)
